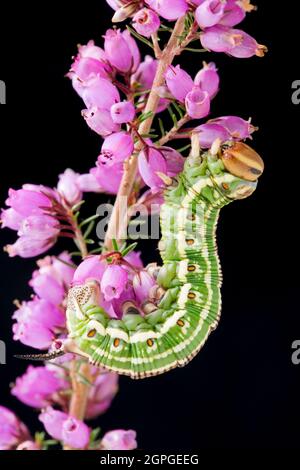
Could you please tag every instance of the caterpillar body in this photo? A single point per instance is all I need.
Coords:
(174, 332)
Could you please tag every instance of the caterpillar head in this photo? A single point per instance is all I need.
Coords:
(243, 166)
(81, 297)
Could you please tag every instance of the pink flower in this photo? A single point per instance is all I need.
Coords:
(101, 394)
(209, 132)
(146, 22)
(142, 283)
(145, 73)
(120, 50)
(151, 161)
(91, 268)
(27, 202)
(113, 282)
(119, 440)
(11, 219)
(100, 93)
(134, 258)
(197, 103)
(234, 42)
(108, 177)
(39, 227)
(75, 433)
(68, 187)
(53, 421)
(209, 13)
(100, 121)
(60, 270)
(238, 128)
(28, 445)
(169, 9)
(179, 82)
(122, 112)
(37, 322)
(116, 148)
(88, 183)
(37, 387)
(234, 13)
(27, 247)
(12, 430)
(208, 79)
(47, 287)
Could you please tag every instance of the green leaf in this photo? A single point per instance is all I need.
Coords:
(161, 127)
(191, 49)
(129, 249)
(178, 109)
(144, 116)
(89, 229)
(77, 206)
(139, 37)
(173, 116)
(75, 253)
(182, 149)
(90, 219)
(89, 241)
(115, 244)
(94, 435)
(96, 251)
(141, 93)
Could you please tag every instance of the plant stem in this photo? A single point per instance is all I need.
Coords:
(118, 222)
(172, 133)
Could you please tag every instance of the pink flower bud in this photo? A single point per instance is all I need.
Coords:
(113, 282)
(27, 247)
(179, 82)
(100, 93)
(146, 22)
(118, 51)
(91, 51)
(197, 103)
(37, 387)
(145, 74)
(11, 219)
(101, 394)
(151, 161)
(169, 9)
(209, 13)
(68, 188)
(142, 283)
(100, 121)
(116, 148)
(60, 270)
(75, 433)
(53, 421)
(234, 42)
(108, 177)
(84, 68)
(12, 430)
(37, 322)
(27, 202)
(237, 127)
(119, 440)
(39, 227)
(91, 268)
(47, 287)
(208, 79)
(134, 258)
(175, 161)
(134, 49)
(88, 183)
(233, 14)
(122, 112)
(209, 132)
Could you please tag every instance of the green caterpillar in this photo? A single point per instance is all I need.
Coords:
(174, 331)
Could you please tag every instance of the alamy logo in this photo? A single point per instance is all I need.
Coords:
(296, 93)
(2, 92)
(2, 353)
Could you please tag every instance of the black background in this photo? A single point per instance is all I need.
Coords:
(242, 391)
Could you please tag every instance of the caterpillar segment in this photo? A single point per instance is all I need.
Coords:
(174, 329)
